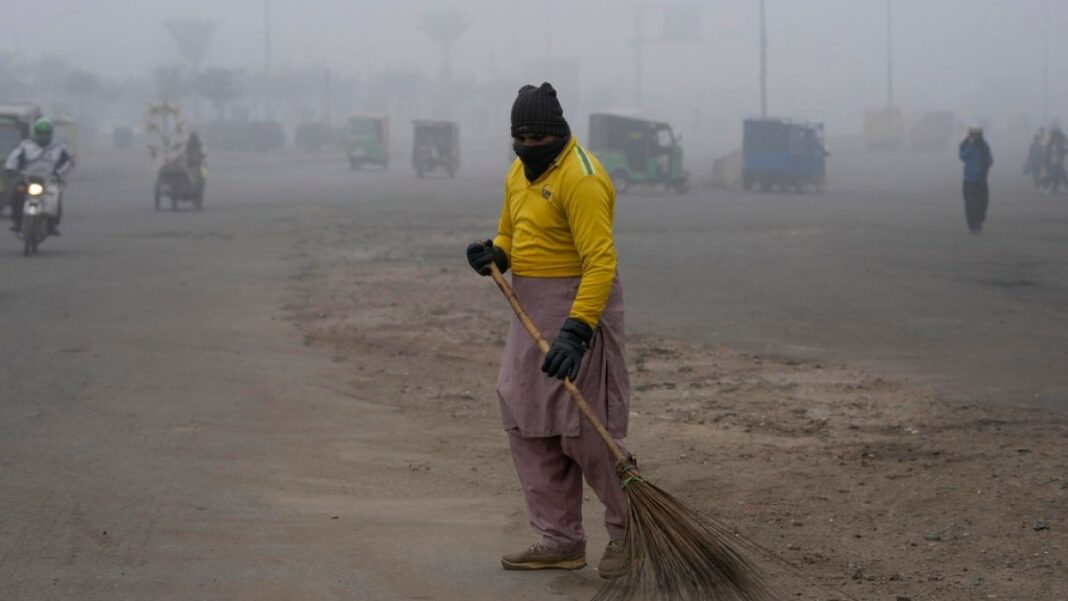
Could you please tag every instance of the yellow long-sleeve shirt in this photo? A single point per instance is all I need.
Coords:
(560, 225)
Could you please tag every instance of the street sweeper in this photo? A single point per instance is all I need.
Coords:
(555, 235)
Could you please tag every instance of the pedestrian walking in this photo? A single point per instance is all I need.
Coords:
(555, 234)
(975, 153)
(1056, 149)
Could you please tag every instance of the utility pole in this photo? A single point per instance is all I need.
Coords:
(193, 37)
(267, 59)
(267, 37)
(1045, 66)
(763, 63)
(889, 54)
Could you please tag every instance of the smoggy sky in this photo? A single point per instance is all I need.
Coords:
(827, 58)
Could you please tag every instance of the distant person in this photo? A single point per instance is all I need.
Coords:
(1036, 160)
(194, 151)
(1056, 149)
(555, 232)
(977, 158)
(40, 155)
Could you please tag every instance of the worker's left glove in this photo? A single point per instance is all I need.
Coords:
(565, 354)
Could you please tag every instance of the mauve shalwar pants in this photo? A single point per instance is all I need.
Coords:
(553, 447)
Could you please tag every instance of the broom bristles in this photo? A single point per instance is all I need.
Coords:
(674, 553)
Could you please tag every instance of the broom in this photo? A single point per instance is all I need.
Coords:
(670, 551)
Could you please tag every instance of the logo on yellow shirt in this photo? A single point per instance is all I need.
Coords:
(547, 193)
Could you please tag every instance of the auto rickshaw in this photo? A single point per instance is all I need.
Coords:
(18, 117)
(183, 178)
(637, 151)
(436, 146)
(11, 133)
(783, 153)
(367, 138)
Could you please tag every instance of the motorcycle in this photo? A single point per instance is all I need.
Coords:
(42, 203)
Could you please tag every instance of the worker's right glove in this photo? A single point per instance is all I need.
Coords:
(565, 353)
(481, 254)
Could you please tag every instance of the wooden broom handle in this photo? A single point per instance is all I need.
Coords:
(576, 396)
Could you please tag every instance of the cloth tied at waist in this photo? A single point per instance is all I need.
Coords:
(539, 406)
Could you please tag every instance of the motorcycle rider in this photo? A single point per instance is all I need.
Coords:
(194, 151)
(40, 155)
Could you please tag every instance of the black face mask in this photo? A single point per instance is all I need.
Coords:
(537, 159)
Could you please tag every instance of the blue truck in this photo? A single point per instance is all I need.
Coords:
(785, 154)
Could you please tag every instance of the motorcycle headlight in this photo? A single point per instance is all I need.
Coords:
(35, 189)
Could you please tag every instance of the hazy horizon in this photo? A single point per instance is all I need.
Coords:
(826, 58)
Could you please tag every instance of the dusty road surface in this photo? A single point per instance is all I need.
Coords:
(289, 395)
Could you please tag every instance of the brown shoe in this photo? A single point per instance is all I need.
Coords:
(540, 557)
(611, 566)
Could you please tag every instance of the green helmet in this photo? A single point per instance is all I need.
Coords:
(42, 131)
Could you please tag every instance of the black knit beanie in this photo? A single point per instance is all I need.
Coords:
(537, 111)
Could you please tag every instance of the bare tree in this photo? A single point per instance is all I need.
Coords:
(193, 38)
(445, 27)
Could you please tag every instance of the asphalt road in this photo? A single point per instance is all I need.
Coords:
(165, 434)
(879, 271)
(155, 402)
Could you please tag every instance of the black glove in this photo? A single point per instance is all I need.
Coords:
(479, 255)
(565, 354)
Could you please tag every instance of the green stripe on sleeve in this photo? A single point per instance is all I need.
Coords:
(587, 166)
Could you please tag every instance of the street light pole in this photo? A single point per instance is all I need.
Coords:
(889, 54)
(267, 59)
(267, 37)
(638, 54)
(1045, 66)
(763, 63)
